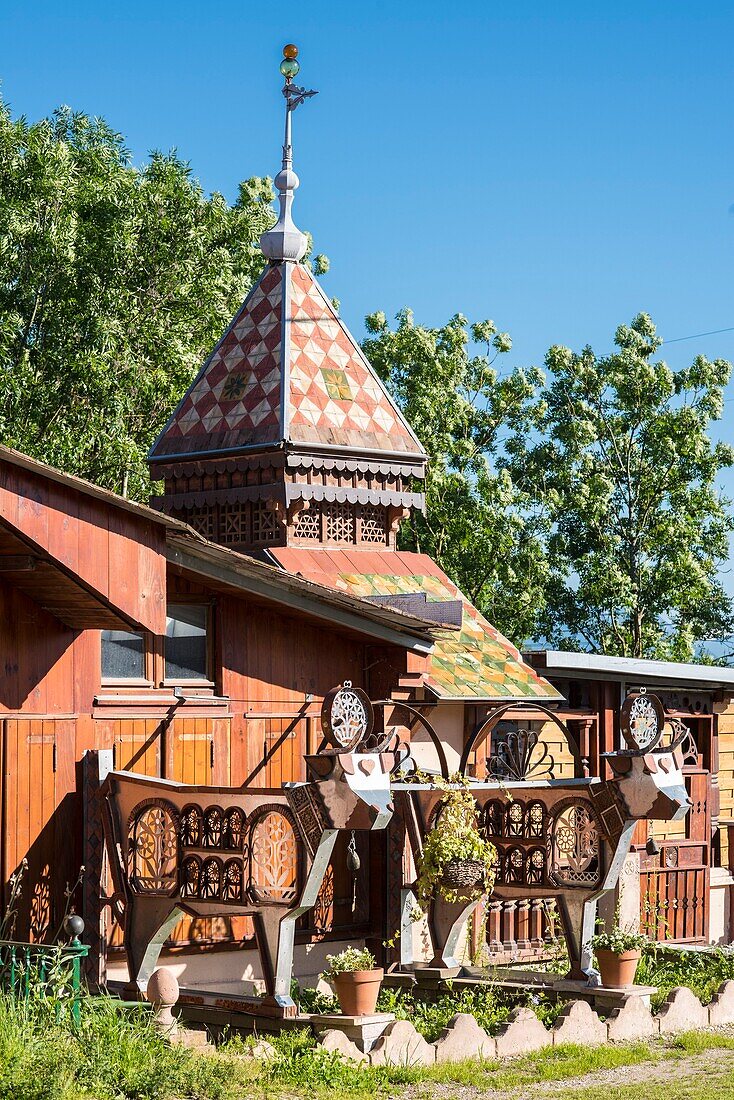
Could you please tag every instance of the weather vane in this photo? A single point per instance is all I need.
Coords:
(290, 68)
(285, 241)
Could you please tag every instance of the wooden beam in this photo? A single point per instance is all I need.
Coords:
(17, 563)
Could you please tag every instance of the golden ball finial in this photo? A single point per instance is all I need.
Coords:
(290, 51)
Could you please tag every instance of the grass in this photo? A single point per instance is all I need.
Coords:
(113, 1056)
(110, 1055)
(490, 1007)
(703, 972)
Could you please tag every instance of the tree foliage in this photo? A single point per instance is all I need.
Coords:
(115, 282)
(477, 525)
(627, 473)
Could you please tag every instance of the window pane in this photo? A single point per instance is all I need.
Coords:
(123, 655)
(186, 642)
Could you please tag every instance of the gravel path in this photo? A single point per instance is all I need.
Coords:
(708, 1064)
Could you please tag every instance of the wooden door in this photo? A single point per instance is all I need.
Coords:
(34, 828)
(674, 882)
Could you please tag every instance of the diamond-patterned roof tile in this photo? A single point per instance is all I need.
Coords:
(334, 397)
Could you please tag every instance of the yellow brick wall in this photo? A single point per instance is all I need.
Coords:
(726, 769)
(552, 736)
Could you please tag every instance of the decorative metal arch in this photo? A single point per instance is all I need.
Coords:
(435, 740)
(484, 731)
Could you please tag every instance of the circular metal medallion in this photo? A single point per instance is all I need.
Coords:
(347, 717)
(641, 720)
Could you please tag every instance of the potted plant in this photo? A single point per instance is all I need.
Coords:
(457, 860)
(356, 979)
(617, 954)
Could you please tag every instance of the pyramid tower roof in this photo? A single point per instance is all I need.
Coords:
(287, 372)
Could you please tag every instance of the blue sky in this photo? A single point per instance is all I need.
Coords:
(553, 166)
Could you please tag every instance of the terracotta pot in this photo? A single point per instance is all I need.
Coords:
(358, 991)
(618, 969)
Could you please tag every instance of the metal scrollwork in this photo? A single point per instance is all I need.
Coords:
(520, 757)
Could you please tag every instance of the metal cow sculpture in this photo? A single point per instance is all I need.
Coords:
(208, 851)
(561, 839)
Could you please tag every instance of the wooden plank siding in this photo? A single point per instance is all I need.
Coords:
(114, 555)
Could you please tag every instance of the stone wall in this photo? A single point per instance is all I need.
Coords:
(401, 1044)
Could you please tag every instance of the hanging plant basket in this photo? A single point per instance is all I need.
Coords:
(462, 874)
(458, 863)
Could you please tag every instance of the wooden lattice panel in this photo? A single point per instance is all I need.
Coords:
(308, 523)
(233, 525)
(339, 523)
(373, 524)
(264, 523)
(204, 521)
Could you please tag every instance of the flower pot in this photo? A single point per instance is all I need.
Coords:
(464, 874)
(358, 991)
(617, 968)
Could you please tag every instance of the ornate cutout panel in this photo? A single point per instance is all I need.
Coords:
(575, 845)
(273, 849)
(153, 848)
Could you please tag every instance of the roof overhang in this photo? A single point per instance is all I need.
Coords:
(594, 666)
(60, 591)
(246, 576)
(89, 489)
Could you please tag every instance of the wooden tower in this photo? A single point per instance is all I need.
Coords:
(287, 436)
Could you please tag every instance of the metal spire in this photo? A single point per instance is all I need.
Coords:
(285, 240)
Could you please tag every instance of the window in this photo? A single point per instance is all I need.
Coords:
(123, 655)
(186, 642)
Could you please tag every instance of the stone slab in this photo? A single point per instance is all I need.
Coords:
(631, 1022)
(363, 1031)
(606, 997)
(578, 1023)
(522, 1034)
(402, 1045)
(463, 1039)
(682, 1011)
(336, 1042)
(434, 975)
(721, 1009)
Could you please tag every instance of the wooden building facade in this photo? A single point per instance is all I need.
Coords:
(123, 629)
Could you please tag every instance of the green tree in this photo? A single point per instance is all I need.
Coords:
(115, 282)
(478, 526)
(628, 475)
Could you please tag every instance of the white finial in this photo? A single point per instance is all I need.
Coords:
(285, 240)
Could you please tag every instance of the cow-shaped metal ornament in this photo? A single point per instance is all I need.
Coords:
(561, 839)
(176, 849)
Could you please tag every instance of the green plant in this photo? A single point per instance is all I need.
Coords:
(455, 837)
(618, 939)
(350, 960)
(666, 967)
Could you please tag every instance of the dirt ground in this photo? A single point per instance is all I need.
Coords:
(706, 1074)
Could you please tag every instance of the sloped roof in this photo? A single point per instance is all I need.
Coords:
(475, 663)
(286, 371)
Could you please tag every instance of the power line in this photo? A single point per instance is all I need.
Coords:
(698, 335)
